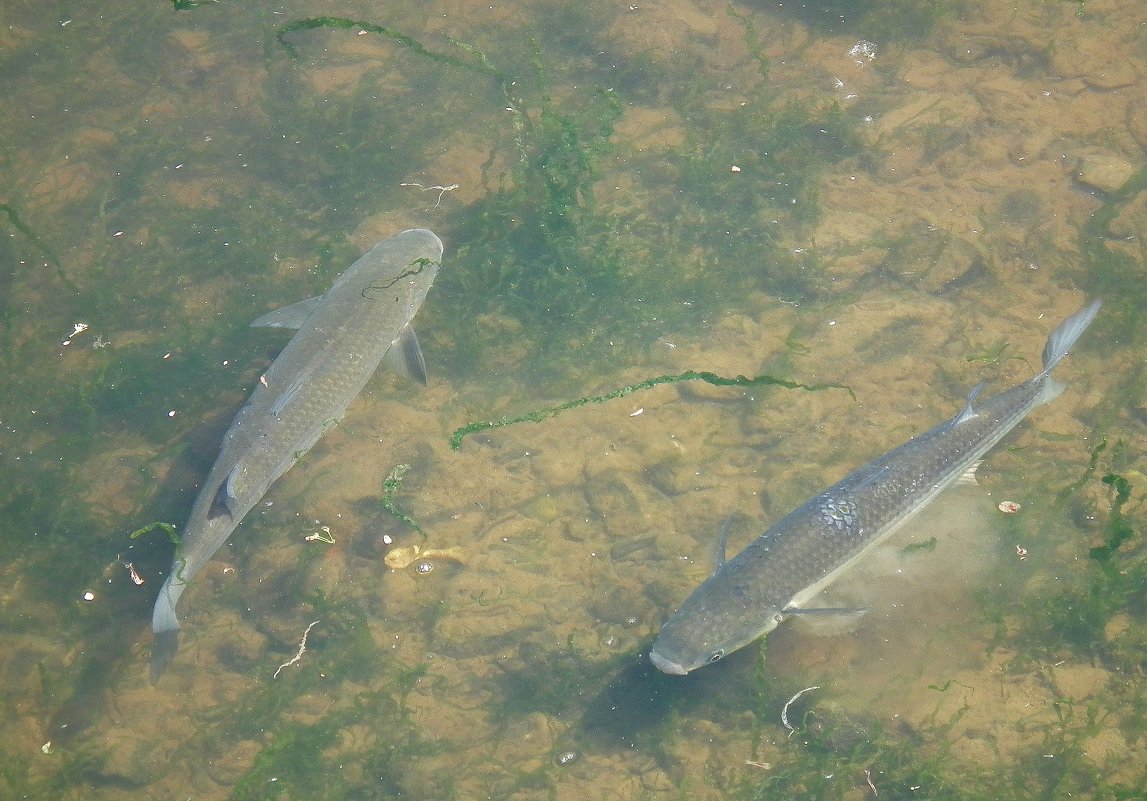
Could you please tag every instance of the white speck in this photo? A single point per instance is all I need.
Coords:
(863, 49)
(639, 411)
(89, 596)
(734, 168)
(171, 413)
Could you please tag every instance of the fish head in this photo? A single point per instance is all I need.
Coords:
(706, 630)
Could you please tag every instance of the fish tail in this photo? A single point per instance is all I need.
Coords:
(163, 615)
(165, 625)
(1058, 345)
(1061, 339)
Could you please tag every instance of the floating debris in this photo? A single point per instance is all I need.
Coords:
(566, 757)
(322, 535)
(863, 49)
(77, 328)
(299, 655)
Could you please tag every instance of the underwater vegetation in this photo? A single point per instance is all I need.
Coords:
(1101, 611)
(551, 253)
(298, 747)
(543, 253)
(833, 755)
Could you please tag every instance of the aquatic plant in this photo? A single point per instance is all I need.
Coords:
(390, 488)
(537, 249)
(538, 415)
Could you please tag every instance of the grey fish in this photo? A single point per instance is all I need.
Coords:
(341, 338)
(800, 555)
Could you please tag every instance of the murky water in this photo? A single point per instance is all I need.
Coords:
(900, 199)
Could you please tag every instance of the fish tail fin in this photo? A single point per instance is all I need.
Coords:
(1059, 344)
(165, 625)
(162, 652)
(1062, 338)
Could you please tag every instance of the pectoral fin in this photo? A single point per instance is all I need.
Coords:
(723, 542)
(969, 475)
(793, 611)
(405, 356)
(292, 316)
(290, 392)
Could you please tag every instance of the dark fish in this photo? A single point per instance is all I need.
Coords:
(805, 551)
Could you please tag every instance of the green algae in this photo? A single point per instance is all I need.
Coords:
(390, 488)
(480, 64)
(538, 415)
(543, 251)
(837, 755)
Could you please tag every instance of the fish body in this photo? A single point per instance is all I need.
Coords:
(341, 337)
(800, 555)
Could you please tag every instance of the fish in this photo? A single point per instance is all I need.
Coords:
(340, 338)
(777, 574)
(398, 558)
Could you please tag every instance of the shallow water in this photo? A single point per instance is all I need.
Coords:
(900, 199)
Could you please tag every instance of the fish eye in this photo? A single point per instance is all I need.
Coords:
(716, 657)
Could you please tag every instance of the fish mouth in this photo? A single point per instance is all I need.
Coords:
(665, 665)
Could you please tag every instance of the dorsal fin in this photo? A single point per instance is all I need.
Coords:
(723, 542)
(221, 503)
(968, 412)
(219, 506)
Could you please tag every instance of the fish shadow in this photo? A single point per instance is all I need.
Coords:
(640, 701)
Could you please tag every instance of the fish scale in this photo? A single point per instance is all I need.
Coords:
(805, 551)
